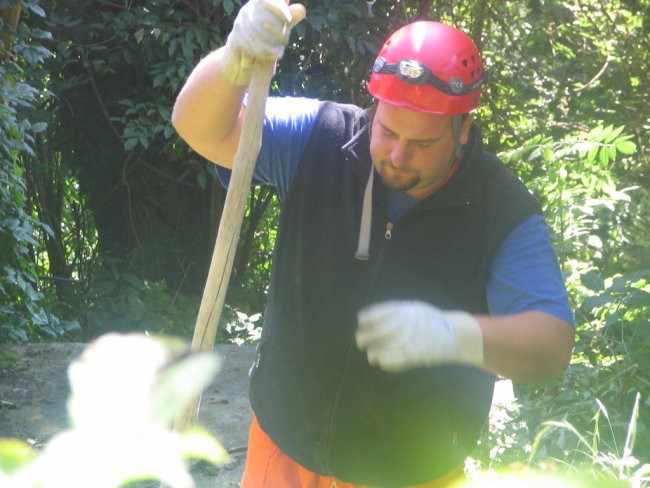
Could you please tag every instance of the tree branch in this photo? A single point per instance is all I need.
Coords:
(99, 98)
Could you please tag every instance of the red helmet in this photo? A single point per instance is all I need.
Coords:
(429, 67)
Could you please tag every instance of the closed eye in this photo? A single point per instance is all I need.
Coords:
(424, 144)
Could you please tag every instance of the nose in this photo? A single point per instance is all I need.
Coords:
(400, 154)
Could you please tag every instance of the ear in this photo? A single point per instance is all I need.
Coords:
(464, 129)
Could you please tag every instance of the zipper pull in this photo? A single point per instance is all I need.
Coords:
(389, 229)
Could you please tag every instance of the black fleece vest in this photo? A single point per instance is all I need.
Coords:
(312, 390)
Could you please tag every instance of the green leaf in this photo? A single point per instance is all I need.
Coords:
(228, 6)
(159, 80)
(39, 127)
(198, 443)
(182, 381)
(638, 299)
(596, 134)
(593, 152)
(619, 284)
(317, 22)
(13, 455)
(171, 49)
(612, 134)
(186, 47)
(36, 9)
(603, 156)
(632, 428)
(548, 154)
(597, 301)
(625, 147)
(593, 281)
(130, 144)
(612, 319)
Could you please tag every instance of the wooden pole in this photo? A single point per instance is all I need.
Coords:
(225, 247)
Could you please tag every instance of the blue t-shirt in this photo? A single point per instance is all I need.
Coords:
(525, 275)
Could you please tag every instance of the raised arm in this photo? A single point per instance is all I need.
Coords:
(208, 110)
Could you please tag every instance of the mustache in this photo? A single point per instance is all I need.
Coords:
(387, 163)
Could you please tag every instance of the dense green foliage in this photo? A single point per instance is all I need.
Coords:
(22, 312)
(107, 219)
(606, 391)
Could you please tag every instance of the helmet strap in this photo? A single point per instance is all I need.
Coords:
(456, 123)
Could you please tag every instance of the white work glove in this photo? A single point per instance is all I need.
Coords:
(399, 335)
(261, 31)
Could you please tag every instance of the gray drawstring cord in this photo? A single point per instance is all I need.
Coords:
(363, 248)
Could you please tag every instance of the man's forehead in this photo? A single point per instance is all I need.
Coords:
(411, 123)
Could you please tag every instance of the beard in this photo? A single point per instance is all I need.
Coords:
(397, 179)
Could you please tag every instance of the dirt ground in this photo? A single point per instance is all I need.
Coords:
(34, 389)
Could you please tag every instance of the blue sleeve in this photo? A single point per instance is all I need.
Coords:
(287, 125)
(526, 275)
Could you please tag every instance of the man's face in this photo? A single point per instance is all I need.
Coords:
(412, 151)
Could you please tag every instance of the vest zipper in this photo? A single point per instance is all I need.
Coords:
(389, 230)
(379, 257)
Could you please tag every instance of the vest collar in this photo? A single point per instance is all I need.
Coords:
(357, 149)
(462, 189)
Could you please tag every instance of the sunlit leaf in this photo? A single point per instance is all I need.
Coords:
(180, 382)
(603, 156)
(198, 443)
(592, 153)
(14, 454)
(626, 147)
(612, 134)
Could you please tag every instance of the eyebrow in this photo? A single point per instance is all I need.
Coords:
(419, 141)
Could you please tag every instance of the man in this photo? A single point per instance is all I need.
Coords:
(411, 266)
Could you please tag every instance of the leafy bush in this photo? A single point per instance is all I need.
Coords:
(22, 316)
(119, 300)
(588, 213)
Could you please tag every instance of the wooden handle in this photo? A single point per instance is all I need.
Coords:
(225, 247)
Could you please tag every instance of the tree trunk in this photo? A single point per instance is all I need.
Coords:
(10, 17)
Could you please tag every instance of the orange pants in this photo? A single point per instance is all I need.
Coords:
(268, 467)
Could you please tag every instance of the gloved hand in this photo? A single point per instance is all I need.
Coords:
(398, 335)
(261, 31)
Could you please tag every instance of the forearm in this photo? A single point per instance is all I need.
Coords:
(526, 347)
(207, 111)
